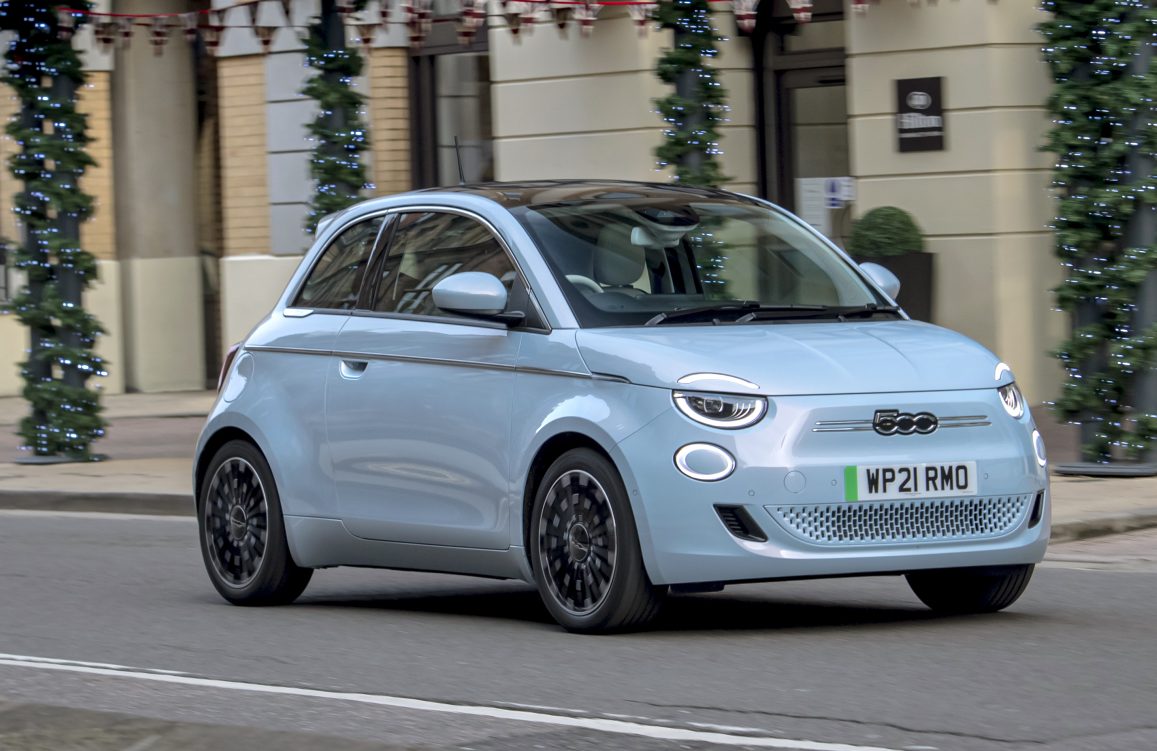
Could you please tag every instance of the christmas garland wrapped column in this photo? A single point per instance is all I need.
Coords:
(1105, 137)
(698, 104)
(338, 130)
(44, 71)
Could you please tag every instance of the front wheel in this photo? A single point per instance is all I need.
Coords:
(585, 549)
(970, 590)
(243, 533)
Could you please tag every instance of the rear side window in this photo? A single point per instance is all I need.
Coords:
(334, 281)
(427, 248)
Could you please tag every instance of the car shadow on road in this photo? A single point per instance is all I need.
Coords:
(681, 613)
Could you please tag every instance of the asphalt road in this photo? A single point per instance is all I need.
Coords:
(92, 607)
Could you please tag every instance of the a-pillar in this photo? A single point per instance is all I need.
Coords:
(154, 136)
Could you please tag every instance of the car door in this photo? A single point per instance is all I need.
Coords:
(418, 401)
(291, 351)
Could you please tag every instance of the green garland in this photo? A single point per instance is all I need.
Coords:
(1103, 115)
(45, 71)
(338, 131)
(699, 103)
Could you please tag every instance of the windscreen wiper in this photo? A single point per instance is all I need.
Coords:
(866, 311)
(750, 308)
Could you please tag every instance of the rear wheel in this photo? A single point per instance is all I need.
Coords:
(585, 549)
(242, 531)
(970, 590)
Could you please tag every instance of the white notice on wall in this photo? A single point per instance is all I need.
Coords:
(811, 203)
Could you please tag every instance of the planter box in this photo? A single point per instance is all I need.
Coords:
(915, 273)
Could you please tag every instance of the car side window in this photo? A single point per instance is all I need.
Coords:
(430, 246)
(334, 280)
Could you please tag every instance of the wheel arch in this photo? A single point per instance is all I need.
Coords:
(211, 446)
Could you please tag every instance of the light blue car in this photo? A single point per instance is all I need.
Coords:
(611, 390)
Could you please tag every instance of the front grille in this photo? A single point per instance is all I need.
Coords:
(881, 522)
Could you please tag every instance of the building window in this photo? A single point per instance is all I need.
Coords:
(450, 98)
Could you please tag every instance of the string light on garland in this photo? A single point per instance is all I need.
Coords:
(1104, 136)
(44, 72)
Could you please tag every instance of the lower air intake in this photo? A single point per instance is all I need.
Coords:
(739, 523)
(931, 520)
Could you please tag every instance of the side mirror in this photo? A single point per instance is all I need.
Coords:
(471, 293)
(883, 278)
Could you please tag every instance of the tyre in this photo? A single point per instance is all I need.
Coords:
(970, 590)
(584, 548)
(242, 531)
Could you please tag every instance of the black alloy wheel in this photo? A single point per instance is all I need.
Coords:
(242, 531)
(585, 550)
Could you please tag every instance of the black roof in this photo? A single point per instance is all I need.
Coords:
(539, 192)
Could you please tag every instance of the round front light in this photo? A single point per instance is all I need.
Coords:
(705, 462)
(1012, 400)
(728, 411)
(1038, 445)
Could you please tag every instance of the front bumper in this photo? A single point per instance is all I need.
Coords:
(789, 480)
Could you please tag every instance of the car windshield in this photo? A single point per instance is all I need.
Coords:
(692, 260)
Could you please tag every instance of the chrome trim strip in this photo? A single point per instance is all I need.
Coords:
(852, 426)
(696, 377)
(297, 312)
(428, 361)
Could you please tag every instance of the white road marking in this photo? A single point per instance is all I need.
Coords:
(112, 516)
(603, 725)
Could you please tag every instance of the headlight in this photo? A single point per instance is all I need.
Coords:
(1038, 446)
(721, 410)
(1012, 400)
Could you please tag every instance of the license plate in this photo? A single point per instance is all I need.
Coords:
(909, 481)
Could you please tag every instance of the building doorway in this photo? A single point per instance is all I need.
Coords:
(802, 114)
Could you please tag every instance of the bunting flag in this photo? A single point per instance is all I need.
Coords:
(159, 34)
(586, 14)
(418, 20)
(473, 15)
(384, 13)
(287, 9)
(512, 11)
(642, 14)
(124, 32)
(528, 17)
(800, 9)
(561, 14)
(365, 33)
(212, 29)
(745, 14)
(265, 34)
(105, 33)
(65, 23)
(254, 10)
(345, 7)
(189, 22)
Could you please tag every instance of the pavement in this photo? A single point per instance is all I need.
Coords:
(151, 439)
(113, 639)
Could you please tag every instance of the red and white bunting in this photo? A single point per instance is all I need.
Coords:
(366, 33)
(287, 9)
(586, 14)
(124, 32)
(473, 14)
(189, 23)
(212, 29)
(528, 17)
(105, 33)
(641, 15)
(800, 9)
(561, 14)
(265, 34)
(384, 13)
(418, 19)
(512, 12)
(65, 23)
(159, 34)
(745, 13)
(254, 11)
(345, 7)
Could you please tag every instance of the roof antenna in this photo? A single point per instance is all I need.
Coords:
(458, 156)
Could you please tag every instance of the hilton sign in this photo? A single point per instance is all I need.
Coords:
(920, 114)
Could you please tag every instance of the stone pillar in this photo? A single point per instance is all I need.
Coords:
(154, 138)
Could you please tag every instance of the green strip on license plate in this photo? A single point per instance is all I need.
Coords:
(851, 492)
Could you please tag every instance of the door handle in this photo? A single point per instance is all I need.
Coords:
(352, 369)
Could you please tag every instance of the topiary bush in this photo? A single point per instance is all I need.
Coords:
(885, 231)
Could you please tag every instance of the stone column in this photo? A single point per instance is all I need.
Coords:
(154, 138)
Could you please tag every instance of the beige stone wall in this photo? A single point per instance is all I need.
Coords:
(580, 107)
(389, 119)
(244, 190)
(983, 202)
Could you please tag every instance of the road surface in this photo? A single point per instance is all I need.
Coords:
(112, 638)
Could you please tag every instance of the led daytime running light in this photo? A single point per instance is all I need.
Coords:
(727, 411)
